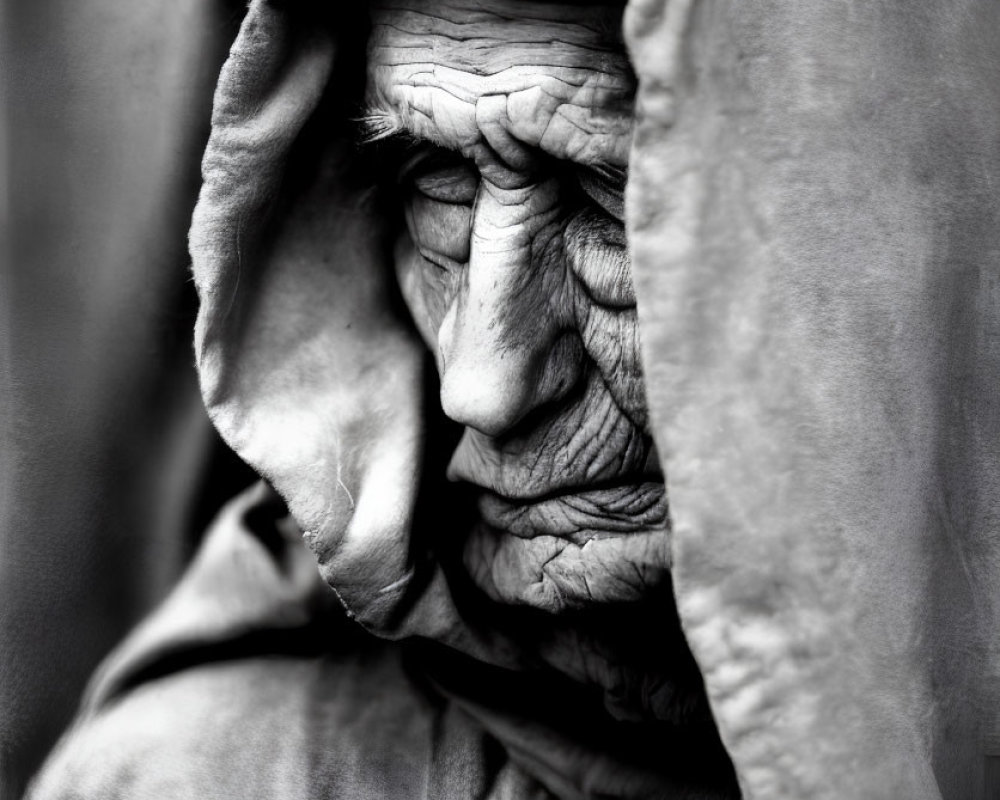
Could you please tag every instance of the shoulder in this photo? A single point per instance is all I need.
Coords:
(247, 682)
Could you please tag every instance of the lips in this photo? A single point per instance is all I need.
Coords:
(579, 514)
(567, 519)
(573, 548)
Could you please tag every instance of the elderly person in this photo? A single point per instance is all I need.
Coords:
(501, 191)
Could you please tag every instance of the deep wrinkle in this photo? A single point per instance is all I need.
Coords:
(514, 265)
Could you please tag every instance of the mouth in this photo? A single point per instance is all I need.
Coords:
(562, 540)
(573, 549)
(580, 513)
(519, 479)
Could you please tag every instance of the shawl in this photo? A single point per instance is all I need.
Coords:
(814, 221)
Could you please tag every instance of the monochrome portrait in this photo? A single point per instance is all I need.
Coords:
(501, 399)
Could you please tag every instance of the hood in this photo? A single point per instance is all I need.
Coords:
(813, 216)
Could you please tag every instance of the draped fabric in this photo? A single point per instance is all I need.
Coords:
(250, 682)
(103, 441)
(812, 212)
(815, 223)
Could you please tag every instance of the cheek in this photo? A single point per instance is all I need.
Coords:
(611, 339)
(605, 308)
(427, 289)
(598, 257)
(430, 257)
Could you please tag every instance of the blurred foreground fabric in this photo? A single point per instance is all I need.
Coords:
(103, 441)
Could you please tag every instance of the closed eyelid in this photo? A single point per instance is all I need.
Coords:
(447, 180)
(607, 191)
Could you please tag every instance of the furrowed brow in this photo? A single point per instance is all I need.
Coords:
(387, 127)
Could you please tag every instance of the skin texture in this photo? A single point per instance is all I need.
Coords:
(515, 123)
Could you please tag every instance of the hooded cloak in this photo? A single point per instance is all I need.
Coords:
(813, 219)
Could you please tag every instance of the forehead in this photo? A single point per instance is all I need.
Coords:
(554, 76)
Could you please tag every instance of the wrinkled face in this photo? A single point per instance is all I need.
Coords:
(513, 261)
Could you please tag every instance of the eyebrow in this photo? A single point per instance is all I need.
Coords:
(379, 124)
(389, 126)
(384, 126)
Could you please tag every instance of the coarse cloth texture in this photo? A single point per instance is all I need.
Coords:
(249, 682)
(814, 222)
(815, 227)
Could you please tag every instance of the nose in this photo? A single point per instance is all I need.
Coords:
(506, 345)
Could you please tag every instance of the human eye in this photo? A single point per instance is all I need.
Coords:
(598, 256)
(440, 188)
(448, 183)
(594, 237)
(605, 187)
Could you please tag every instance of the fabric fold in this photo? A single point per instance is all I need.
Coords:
(306, 368)
(814, 223)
